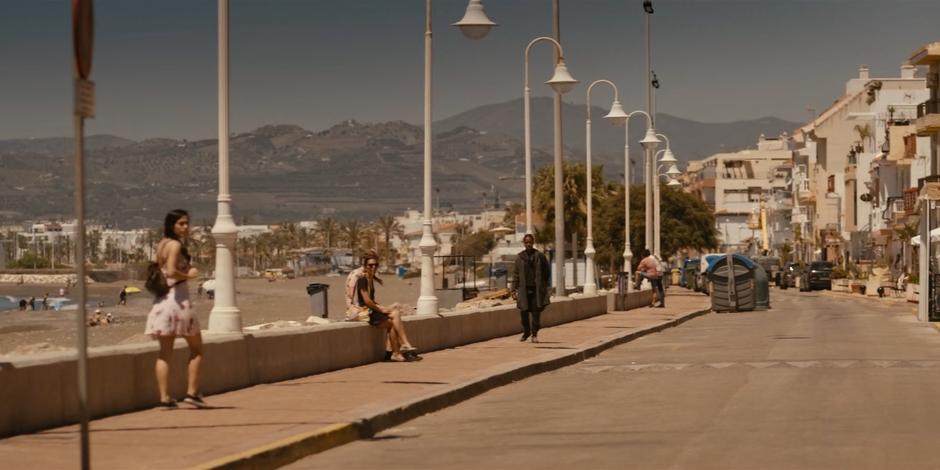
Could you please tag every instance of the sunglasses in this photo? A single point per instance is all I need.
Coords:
(372, 265)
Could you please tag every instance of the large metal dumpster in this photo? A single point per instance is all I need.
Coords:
(732, 285)
(761, 288)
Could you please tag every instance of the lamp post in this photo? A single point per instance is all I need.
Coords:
(616, 115)
(562, 82)
(669, 162)
(474, 25)
(649, 157)
(225, 316)
(668, 159)
(649, 141)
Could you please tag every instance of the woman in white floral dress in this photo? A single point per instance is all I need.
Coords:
(172, 315)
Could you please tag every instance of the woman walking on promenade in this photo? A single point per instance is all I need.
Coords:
(172, 314)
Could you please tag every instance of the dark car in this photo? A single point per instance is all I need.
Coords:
(789, 274)
(820, 275)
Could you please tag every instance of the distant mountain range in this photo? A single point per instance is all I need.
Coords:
(285, 172)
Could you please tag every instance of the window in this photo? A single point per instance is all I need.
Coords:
(831, 184)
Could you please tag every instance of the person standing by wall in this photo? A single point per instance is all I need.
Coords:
(532, 279)
(651, 268)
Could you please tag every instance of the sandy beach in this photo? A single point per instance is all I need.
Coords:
(260, 302)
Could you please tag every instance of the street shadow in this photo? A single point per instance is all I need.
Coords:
(415, 382)
(393, 437)
(96, 429)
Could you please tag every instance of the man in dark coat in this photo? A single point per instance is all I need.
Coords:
(531, 279)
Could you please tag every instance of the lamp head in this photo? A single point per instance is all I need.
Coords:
(562, 82)
(673, 171)
(616, 116)
(673, 182)
(668, 157)
(650, 141)
(475, 24)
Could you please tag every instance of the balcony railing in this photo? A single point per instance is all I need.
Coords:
(928, 107)
(910, 199)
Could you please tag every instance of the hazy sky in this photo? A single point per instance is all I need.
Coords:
(316, 62)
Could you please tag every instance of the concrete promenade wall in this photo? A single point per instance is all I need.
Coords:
(39, 392)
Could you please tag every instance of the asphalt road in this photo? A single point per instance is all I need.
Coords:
(816, 382)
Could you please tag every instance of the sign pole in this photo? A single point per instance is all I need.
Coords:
(84, 106)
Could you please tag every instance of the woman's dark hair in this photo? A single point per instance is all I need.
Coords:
(169, 222)
(366, 256)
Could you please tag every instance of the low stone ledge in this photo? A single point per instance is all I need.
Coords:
(39, 392)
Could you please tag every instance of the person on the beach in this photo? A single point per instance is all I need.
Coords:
(122, 297)
(532, 271)
(45, 301)
(385, 317)
(172, 315)
(32, 303)
(23, 305)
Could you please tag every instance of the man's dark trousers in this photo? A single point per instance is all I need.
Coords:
(536, 315)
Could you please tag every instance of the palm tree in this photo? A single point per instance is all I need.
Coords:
(352, 231)
(327, 231)
(388, 225)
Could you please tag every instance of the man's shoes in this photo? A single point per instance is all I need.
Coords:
(535, 339)
(524, 337)
(388, 356)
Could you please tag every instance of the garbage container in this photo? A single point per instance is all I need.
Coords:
(731, 283)
(761, 288)
(623, 285)
(675, 277)
(318, 305)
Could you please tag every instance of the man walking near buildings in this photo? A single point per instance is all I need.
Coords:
(532, 279)
(652, 268)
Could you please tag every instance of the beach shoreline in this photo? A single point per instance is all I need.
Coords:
(260, 301)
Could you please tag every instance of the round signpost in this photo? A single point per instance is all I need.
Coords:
(82, 43)
(83, 34)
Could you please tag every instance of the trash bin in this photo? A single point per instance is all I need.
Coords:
(675, 277)
(318, 305)
(761, 288)
(623, 285)
(731, 283)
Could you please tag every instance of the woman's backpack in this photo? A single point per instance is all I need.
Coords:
(156, 282)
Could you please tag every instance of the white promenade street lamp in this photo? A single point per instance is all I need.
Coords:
(474, 25)
(616, 116)
(225, 316)
(668, 161)
(649, 142)
(562, 82)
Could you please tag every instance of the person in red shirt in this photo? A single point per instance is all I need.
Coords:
(649, 269)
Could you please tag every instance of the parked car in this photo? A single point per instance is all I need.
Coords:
(820, 275)
(702, 282)
(788, 275)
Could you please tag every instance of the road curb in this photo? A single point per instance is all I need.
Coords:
(302, 445)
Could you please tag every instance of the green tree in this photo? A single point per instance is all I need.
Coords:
(327, 231)
(475, 244)
(352, 232)
(388, 225)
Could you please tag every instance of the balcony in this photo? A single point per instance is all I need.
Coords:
(928, 117)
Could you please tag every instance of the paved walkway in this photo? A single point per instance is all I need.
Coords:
(275, 423)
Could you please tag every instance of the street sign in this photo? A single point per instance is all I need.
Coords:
(84, 98)
(83, 35)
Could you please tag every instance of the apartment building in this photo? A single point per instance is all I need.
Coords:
(749, 193)
(856, 168)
